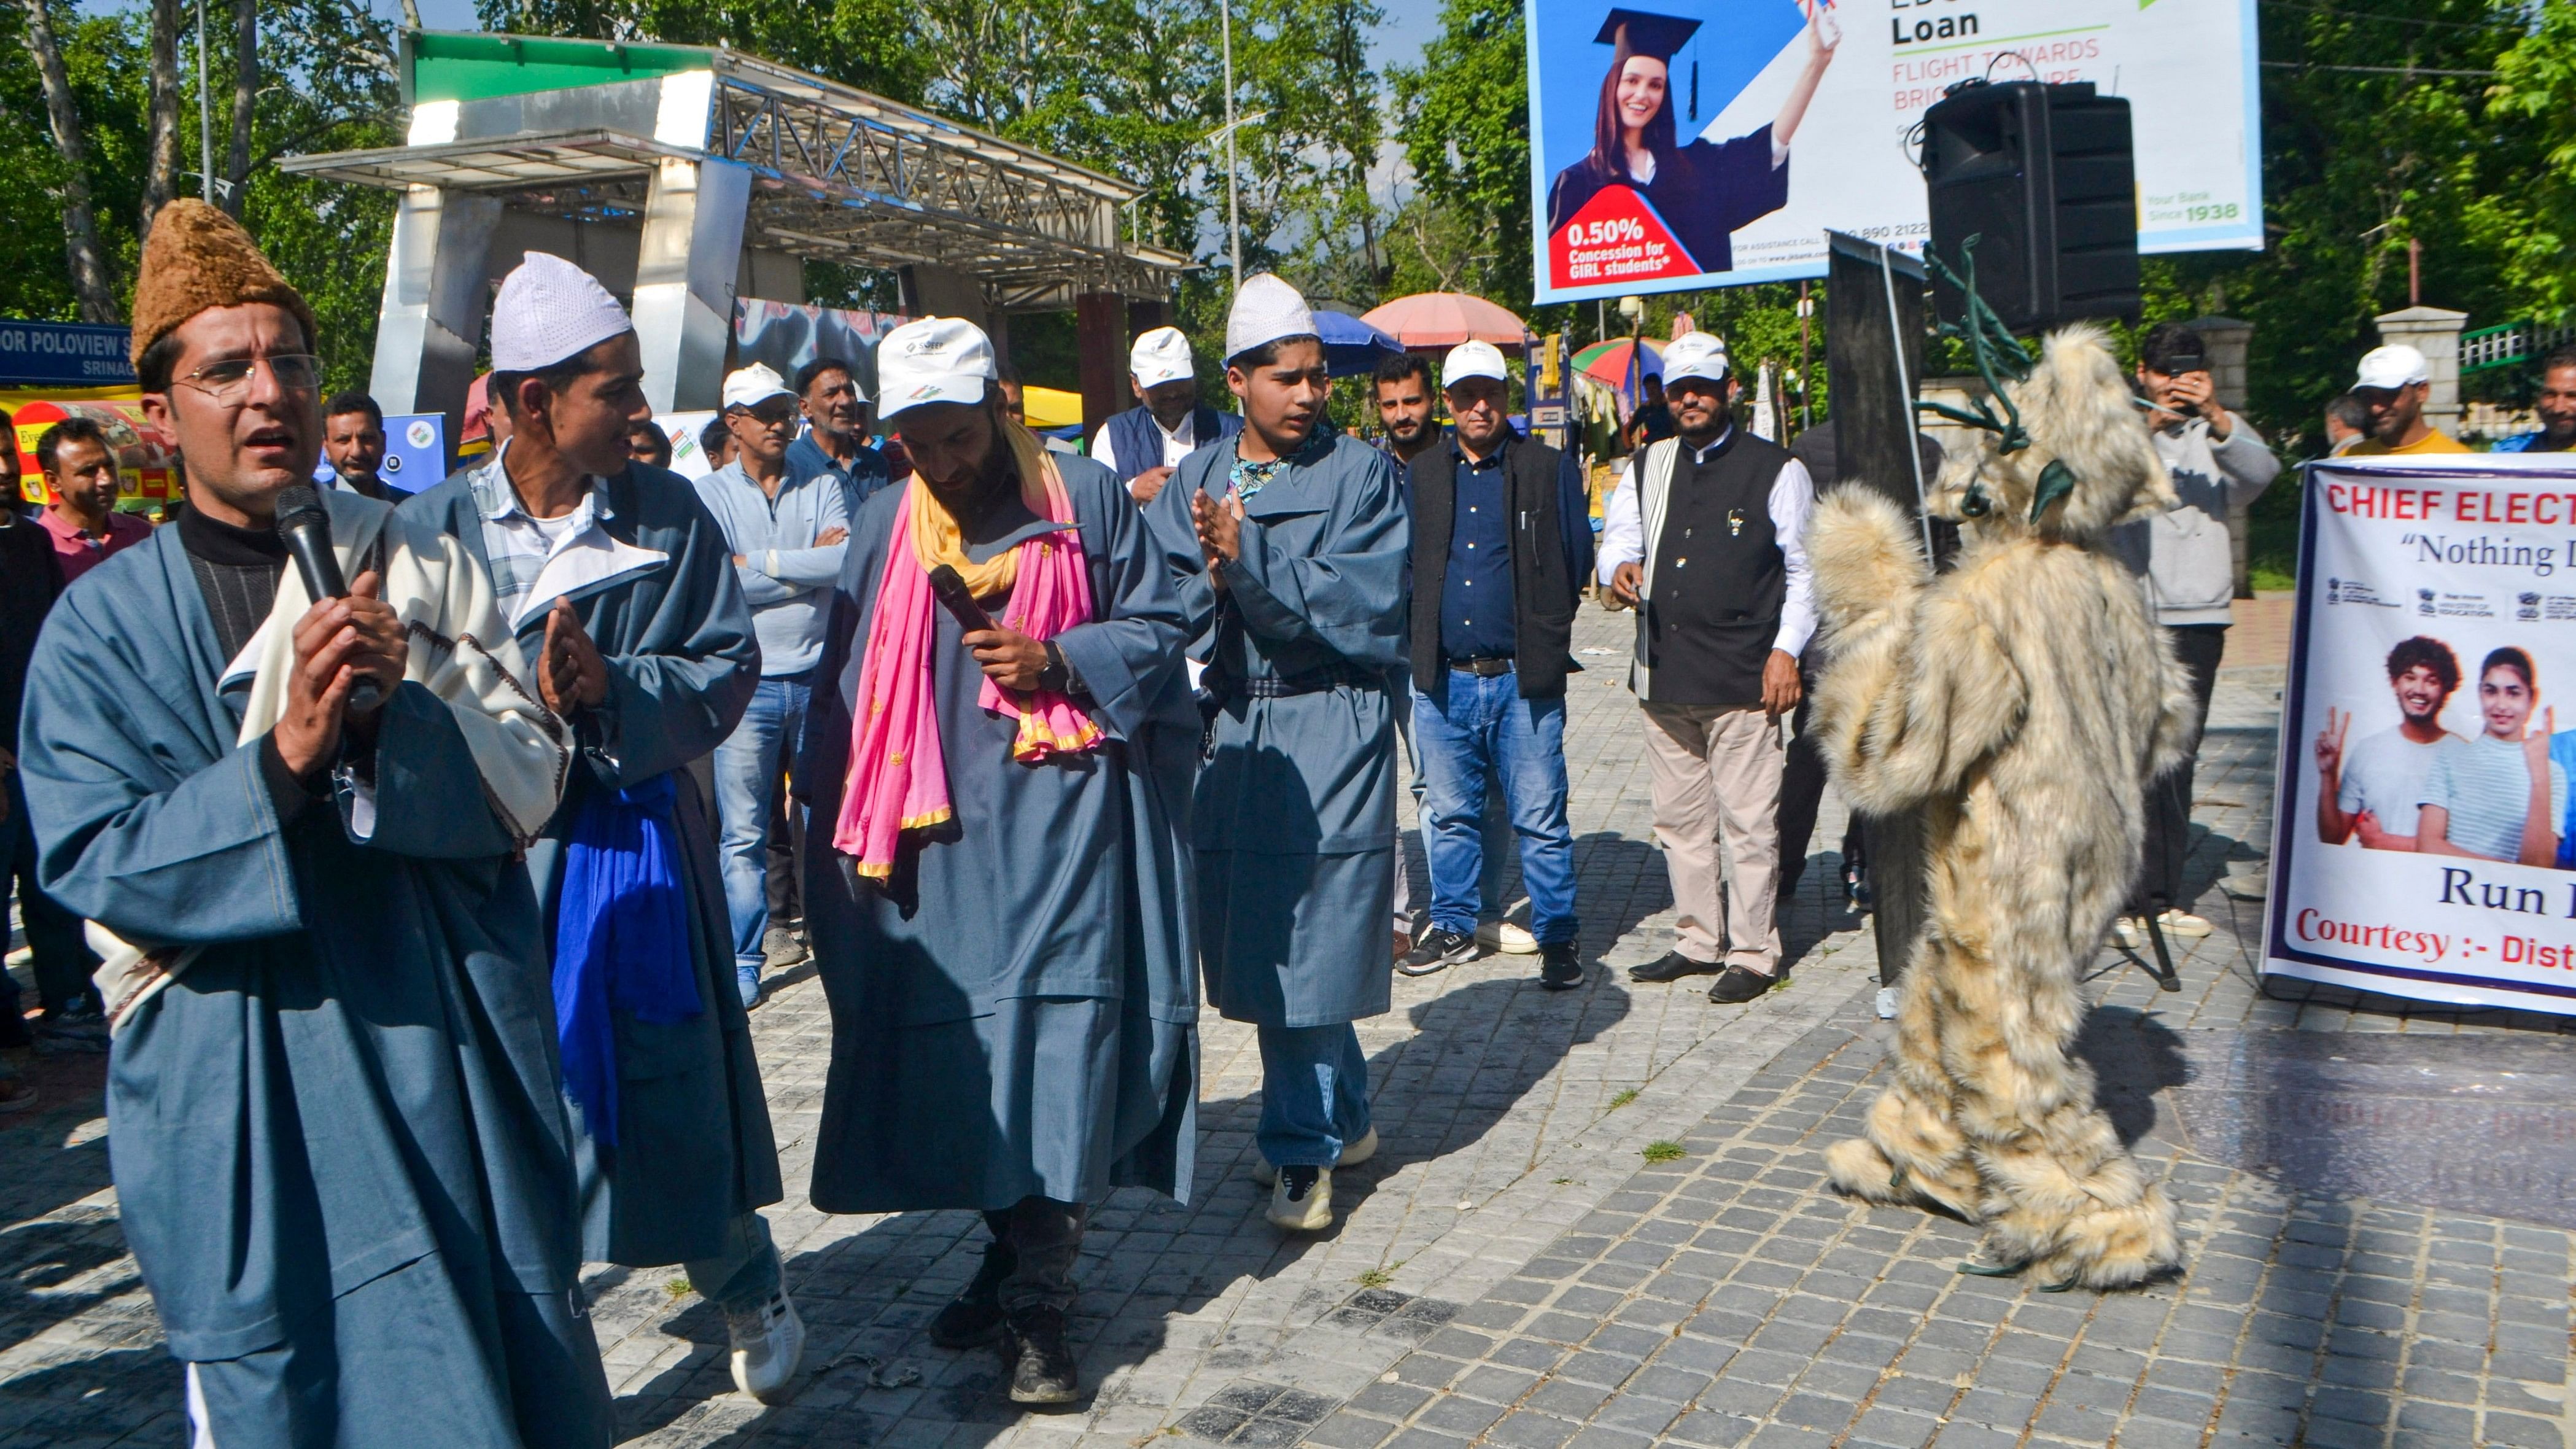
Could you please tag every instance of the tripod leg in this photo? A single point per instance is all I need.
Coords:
(2165, 977)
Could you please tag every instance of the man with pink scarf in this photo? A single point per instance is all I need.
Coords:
(998, 879)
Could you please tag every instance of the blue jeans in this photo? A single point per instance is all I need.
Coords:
(746, 764)
(1496, 835)
(744, 1273)
(1314, 1094)
(1485, 732)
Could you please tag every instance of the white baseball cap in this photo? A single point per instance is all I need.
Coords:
(1160, 356)
(749, 387)
(933, 360)
(2392, 367)
(1265, 310)
(550, 311)
(1695, 354)
(1472, 359)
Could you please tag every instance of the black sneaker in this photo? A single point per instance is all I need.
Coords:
(1738, 986)
(1042, 1368)
(1558, 970)
(975, 1316)
(1439, 951)
(1672, 966)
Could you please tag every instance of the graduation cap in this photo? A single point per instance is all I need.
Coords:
(1643, 32)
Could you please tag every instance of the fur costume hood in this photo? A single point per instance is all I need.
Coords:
(2076, 409)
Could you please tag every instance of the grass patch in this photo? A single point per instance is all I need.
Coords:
(1664, 1151)
(1378, 1277)
(678, 1288)
(1623, 1099)
(1561, 1181)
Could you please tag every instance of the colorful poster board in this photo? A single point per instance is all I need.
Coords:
(2431, 701)
(147, 464)
(1707, 88)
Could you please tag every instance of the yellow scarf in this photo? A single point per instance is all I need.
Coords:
(937, 540)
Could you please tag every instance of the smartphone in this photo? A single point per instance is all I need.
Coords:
(958, 600)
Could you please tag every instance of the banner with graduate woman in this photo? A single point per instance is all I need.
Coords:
(1703, 143)
(2424, 843)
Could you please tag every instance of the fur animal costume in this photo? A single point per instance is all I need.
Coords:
(2021, 702)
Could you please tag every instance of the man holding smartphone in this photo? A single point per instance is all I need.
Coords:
(2219, 463)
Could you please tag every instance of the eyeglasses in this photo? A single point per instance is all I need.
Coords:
(770, 411)
(228, 381)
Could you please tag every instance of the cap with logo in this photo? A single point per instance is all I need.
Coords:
(1695, 354)
(1160, 356)
(2392, 367)
(1472, 359)
(749, 387)
(933, 360)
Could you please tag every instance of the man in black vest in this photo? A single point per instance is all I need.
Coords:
(1501, 543)
(1145, 443)
(1706, 537)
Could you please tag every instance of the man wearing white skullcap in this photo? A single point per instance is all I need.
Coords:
(1145, 443)
(2392, 385)
(1289, 547)
(623, 593)
(1706, 536)
(999, 753)
(1502, 541)
(785, 527)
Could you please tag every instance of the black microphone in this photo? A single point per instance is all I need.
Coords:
(305, 527)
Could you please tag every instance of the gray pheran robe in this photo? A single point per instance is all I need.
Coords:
(340, 1155)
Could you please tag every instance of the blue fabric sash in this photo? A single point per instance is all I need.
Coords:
(621, 938)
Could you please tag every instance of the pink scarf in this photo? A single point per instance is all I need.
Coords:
(898, 778)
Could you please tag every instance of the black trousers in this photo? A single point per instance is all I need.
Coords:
(1042, 1238)
(63, 960)
(786, 858)
(1802, 793)
(2160, 880)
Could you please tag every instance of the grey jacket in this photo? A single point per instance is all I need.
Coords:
(2185, 556)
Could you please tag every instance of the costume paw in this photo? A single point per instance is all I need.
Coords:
(1868, 557)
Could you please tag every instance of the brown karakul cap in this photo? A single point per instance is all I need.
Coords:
(197, 258)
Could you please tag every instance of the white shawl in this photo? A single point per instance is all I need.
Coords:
(460, 650)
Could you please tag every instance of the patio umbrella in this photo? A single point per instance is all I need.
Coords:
(1351, 346)
(1609, 362)
(1445, 319)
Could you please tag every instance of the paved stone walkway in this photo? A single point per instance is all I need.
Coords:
(1599, 1218)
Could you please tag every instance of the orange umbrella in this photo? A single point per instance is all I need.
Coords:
(1445, 319)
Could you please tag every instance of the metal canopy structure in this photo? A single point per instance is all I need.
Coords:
(702, 155)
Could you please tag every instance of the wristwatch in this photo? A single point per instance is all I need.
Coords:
(1055, 675)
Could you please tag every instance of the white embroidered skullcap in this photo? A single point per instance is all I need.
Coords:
(933, 360)
(1695, 354)
(2392, 367)
(548, 312)
(1265, 310)
(749, 387)
(1472, 359)
(1160, 356)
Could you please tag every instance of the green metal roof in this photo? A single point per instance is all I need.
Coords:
(446, 65)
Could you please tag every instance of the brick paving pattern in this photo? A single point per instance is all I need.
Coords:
(1517, 1269)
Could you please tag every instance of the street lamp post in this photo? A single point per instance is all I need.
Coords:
(1234, 217)
(1233, 205)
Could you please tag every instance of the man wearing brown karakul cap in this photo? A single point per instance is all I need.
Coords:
(340, 1156)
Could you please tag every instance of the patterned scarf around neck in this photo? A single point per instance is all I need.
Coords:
(1247, 478)
(898, 778)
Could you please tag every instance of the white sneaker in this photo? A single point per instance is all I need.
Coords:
(1887, 1003)
(1309, 1211)
(1353, 1154)
(2184, 923)
(768, 1347)
(1510, 939)
(2130, 932)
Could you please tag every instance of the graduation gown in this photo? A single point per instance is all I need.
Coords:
(1013, 1011)
(1294, 818)
(1704, 194)
(341, 1160)
(694, 1144)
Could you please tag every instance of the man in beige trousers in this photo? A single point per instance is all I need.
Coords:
(1705, 536)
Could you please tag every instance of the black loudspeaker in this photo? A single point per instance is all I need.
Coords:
(2043, 176)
